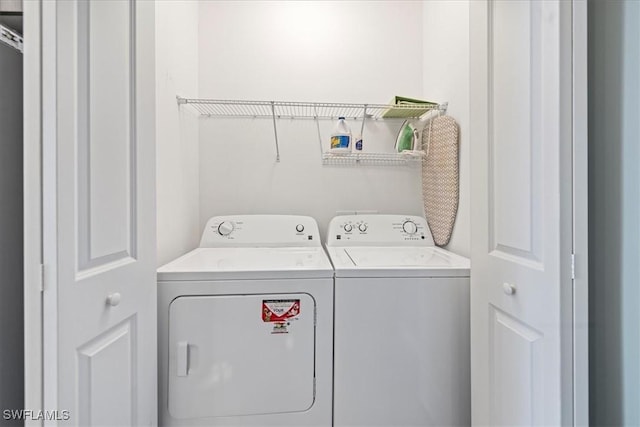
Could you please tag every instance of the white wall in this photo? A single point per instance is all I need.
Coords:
(11, 234)
(349, 51)
(614, 213)
(177, 131)
(446, 77)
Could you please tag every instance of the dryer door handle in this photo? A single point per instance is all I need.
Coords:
(182, 359)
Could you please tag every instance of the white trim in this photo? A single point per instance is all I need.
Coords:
(49, 206)
(33, 381)
(580, 217)
(12, 6)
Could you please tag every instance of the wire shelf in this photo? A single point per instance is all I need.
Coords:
(373, 159)
(274, 110)
(306, 110)
(11, 38)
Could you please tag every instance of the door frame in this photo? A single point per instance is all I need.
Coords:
(33, 202)
(580, 309)
(40, 238)
(575, 300)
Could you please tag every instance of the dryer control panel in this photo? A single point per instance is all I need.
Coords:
(379, 230)
(260, 230)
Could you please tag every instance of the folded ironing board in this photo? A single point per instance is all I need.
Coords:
(440, 176)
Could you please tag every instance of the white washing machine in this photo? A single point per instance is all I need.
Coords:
(245, 326)
(401, 340)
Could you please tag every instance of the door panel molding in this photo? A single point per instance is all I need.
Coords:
(108, 362)
(106, 133)
(514, 374)
(514, 113)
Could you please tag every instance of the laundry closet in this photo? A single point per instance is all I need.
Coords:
(160, 118)
(503, 70)
(248, 95)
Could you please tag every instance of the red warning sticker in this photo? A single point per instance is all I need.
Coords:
(280, 310)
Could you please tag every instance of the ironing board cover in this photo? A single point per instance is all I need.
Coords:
(440, 176)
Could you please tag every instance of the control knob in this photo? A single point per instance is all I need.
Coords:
(348, 228)
(363, 227)
(409, 227)
(299, 228)
(225, 228)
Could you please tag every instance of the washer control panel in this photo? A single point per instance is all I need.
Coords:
(379, 230)
(260, 230)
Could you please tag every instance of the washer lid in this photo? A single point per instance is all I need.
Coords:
(248, 263)
(397, 262)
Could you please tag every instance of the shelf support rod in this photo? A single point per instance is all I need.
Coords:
(275, 129)
(364, 118)
(315, 116)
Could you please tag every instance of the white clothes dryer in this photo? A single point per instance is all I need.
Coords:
(401, 340)
(245, 326)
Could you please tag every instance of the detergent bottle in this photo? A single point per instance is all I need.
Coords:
(341, 137)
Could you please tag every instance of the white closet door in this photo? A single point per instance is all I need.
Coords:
(521, 190)
(99, 218)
